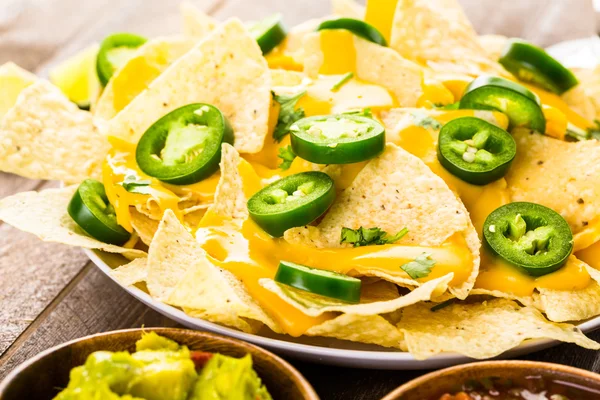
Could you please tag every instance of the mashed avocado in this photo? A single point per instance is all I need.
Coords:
(160, 369)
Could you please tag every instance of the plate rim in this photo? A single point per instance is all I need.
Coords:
(392, 360)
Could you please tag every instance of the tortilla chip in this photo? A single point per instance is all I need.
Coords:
(148, 62)
(195, 23)
(13, 79)
(285, 78)
(493, 45)
(315, 305)
(375, 64)
(181, 274)
(572, 305)
(230, 200)
(227, 70)
(393, 191)
(44, 214)
(438, 34)
(480, 330)
(373, 329)
(585, 97)
(134, 272)
(560, 175)
(45, 136)
(347, 9)
(144, 226)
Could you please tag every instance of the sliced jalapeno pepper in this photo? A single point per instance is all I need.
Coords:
(114, 51)
(530, 63)
(295, 200)
(184, 146)
(357, 27)
(475, 150)
(268, 32)
(337, 139)
(530, 236)
(318, 281)
(90, 209)
(522, 106)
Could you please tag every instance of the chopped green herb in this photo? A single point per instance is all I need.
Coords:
(576, 133)
(368, 236)
(420, 267)
(342, 81)
(132, 185)
(425, 121)
(595, 131)
(287, 114)
(362, 113)
(287, 155)
(453, 106)
(442, 305)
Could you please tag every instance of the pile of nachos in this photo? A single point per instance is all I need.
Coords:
(381, 175)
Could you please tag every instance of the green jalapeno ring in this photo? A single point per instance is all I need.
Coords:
(269, 32)
(522, 106)
(530, 63)
(184, 146)
(475, 150)
(529, 236)
(293, 201)
(357, 27)
(90, 209)
(337, 139)
(321, 282)
(107, 62)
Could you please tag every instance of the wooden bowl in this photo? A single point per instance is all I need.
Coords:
(439, 382)
(39, 377)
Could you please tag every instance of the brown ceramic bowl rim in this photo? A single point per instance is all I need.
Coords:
(508, 364)
(299, 380)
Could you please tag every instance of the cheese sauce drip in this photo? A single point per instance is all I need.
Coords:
(480, 201)
(251, 254)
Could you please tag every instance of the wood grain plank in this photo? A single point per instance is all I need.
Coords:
(92, 304)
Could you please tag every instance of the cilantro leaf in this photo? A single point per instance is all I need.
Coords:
(287, 114)
(420, 267)
(368, 236)
(133, 185)
(423, 120)
(287, 155)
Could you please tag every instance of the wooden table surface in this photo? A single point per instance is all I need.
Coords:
(50, 293)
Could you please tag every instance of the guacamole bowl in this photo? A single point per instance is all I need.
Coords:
(44, 375)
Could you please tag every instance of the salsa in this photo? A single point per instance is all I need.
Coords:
(532, 387)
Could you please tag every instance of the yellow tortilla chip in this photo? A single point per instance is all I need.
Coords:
(148, 62)
(13, 79)
(373, 329)
(44, 214)
(585, 97)
(480, 330)
(144, 226)
(181, 274)
(45, 136)
(230, 200)
(438, 34)
(374, 64)
(195, 23)
(393, 191)
(493, 45)
(347, 9)
(227, 70)
(315, 305)
(134, 272)
(560, 175)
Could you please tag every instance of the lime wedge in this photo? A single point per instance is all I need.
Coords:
(77, 78)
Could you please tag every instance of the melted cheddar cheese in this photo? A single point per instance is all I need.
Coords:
(380, 14)
(251, 254)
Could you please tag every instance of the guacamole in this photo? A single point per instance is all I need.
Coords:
(161, 369)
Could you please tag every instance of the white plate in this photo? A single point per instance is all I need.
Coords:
(319, 350)
(583, 53)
